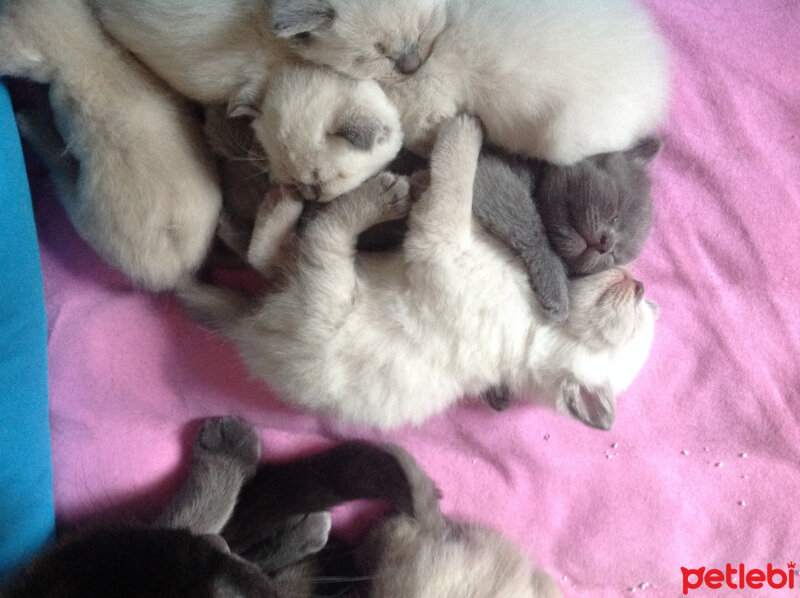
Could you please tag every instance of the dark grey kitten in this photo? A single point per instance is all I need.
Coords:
(567, 220)
(181, 555)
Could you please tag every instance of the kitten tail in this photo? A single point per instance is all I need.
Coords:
(214, 307)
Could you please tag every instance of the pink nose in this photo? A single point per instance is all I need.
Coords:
(638, 289)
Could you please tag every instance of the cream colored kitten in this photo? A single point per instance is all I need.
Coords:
(135, 177)
(212, 51)
(554, 79)
(321, 132)
(386, 340)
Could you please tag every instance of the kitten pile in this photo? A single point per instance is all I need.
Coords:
(273, 125)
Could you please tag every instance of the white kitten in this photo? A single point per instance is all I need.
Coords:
(553, 79)
(391, 339)
(325, 133)
(135, 176)
(212, 51)
(430, 555)
(321, 131)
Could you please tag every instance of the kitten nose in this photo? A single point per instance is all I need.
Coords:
(309, 192)
(638, 289)
(604, 244)
(409, 61)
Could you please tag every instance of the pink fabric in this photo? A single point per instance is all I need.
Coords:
(701, 467)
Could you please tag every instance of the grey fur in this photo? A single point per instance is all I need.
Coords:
(503, 204)
(225, 455)
(297, 17)
(361, 133)
(551, 216)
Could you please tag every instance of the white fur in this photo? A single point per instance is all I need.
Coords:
(554, 79)
(303, 111)
(143, 191)
(394, 339)
(209, 50)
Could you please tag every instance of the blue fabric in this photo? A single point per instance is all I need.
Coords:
(26, 480)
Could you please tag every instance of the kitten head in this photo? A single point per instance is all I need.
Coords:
(323, 133)
(384, 40)
(604, 343)
(598, 212)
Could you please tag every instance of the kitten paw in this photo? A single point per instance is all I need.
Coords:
(231, 437)
(554, 300)
(393, 194)
(311, 532)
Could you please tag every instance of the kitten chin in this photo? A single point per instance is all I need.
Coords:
(325, 134)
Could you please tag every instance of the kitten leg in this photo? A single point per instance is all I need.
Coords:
(444, 212)
(497, 397)
(225, 454)
(503, 205)
(275, 222)
(301, 536)
(326, 265)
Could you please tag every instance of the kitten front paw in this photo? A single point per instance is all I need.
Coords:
(554, 298)
(393, 194)
(229, 437)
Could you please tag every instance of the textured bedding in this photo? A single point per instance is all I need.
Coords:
(702, 466)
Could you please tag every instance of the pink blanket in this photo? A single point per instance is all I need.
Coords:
(701, 467)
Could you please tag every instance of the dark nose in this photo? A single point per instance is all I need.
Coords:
(638, 289)
(604, 244)
(409, 61)
(309, 192)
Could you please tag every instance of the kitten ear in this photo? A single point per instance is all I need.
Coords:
(247, 101)
(362, 132)
(294, 17)
(645, 150)
(592, 406)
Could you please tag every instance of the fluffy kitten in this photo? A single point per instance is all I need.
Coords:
(212, 51)
(181, 556)
(132, 170)
(416, 553)
(391, 339)
(561, 220)
(321, 132)
(553, 79)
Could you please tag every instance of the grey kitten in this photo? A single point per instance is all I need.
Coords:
(567, 220)
(181, 555)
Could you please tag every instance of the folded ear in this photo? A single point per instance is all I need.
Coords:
(362, 132)
(592, 406)
(645, 150)
(294, 17)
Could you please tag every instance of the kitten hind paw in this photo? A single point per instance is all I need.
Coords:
(230, 437)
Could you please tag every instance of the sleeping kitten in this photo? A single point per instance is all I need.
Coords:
(562, 220)
(181, 556)
(322, 132)
(553, 79)
(417, 552)
(132, 170)
(212, 51)
(390, 339)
